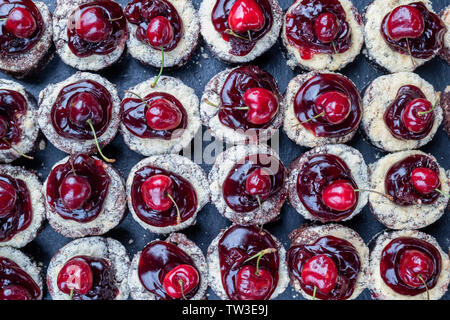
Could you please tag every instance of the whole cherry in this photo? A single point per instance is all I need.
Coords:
(415, 268)
(181, 280)
(259, 183)
(334, 106)
(339, 195)
(252, 285)
(75, 191)
(8, 198)
(92, 25)
(425, 180)
(320, 272)
(246, 15)
(157, 192)
(3, 127)
(262, 105)
(14, 292)
(21, 23)
(76, 275)
(85, 106)
(163, 115)
(326, 27)
(160, 32)
(417, 115)
(405, 22)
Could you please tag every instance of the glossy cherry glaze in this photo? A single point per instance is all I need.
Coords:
(8, 198)
(392, 255)
(134, 117)
(232, 96)
(300, 30)
(114, 18)
(91, 169)
(317, 173)
(183, 193)
(305, 105)
(15, 283)
(393, 115)
(142, 12)
(11, 44)
(341, 252)
(425, 46)
(399, 185)
(13, 107)
(240, 47)
(238, 244)
(156, 261)
(61, 110)
(234, 187)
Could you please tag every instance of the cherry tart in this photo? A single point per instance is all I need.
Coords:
(401, 112)
(413, 190)
(20, 276)
(247, 263)
(92, 268)
(68, 111)
(322, 34)
(84, 197)
(247, 184)
(22, 209)
(26, 33)
(171, 26)
(90, 35)
(173, 269)
(328, 183)
(18, 125)
(445, 104)
(166, 192)
(328, 262)
(160, 119)
(402, 35)
(407, 265)
(445, 52)
(239, 31)
(242, 105)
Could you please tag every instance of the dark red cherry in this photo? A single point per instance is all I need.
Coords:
(246, 15)
(14, 292)
(156, 191)
(335, 105)
(425, 180)
(413, 266)
(7, 198)
(93, 25)
(262, 104)
(85, 106)
(326, 27)
(163, 115)
(321, 272)
(74, 191)
(3, 127)
(405, 22)
(414, 117)
(160, 32)
(21, 23)
(259, 183)
(253, 286)
(181, 280)
(339, 195)
(75, 275)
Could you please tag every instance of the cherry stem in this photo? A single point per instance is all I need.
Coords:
(71, 294)
(210, 103)
(410, 54)
(259, 255)
(181, 283)
(89, 122)
(139, 97)
(160, 70)
(71, 163)
(334, 47)
(234, 34)
(443, 193)
(315, 117)
(249, 35)
(314, 293)
(115, 19)
(431, 110)
(425, 284)
(259, 201)
(176, 207)
(17, 151)
(390, 198)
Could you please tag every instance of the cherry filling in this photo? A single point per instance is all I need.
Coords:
(143, 14)
(241, 111)
(162, 116)
(311, 266)
(181, 191)
(15, 283)
(246, 186)
(78, 196)
(311, 105)
(90, 279)
(238, 270)
(318, 26)
(162, 265)
(98, 27)
(405, 32)
(319, 172)
(245, 18)
(400, 185)
(409, 266)
(13, 107)
(21, 26)
(402, 118)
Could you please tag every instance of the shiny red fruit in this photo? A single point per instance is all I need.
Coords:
(160, 32)
(75, 191)
(3, 127)
(339, 195)
(414, 265)
(163, 115)
(425, 180)
(321, 272)
(259, 183)
(155, 191)
(246, 15)
(183, 276)
(405, 22)
(21, 23)
(335, 105)
(7, 198)
(93, 25)
(262, 104)
(85, 106)
(76, 274)
(326, 27)
(252, 286)
(14, 292)
(412, 120)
